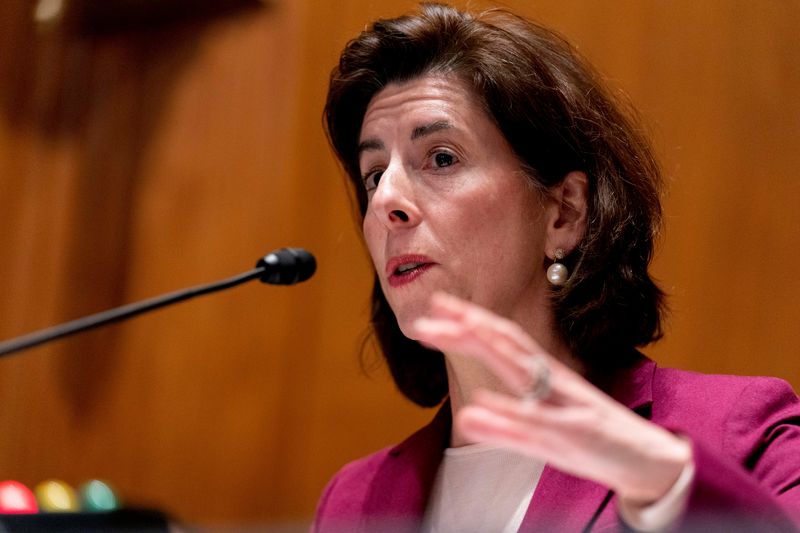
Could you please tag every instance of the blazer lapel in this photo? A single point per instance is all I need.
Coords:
(402, 484)
(565, 503)
(561, 502)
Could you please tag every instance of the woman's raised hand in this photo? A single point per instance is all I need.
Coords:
(571, 425)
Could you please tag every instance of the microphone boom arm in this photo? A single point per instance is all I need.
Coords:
(285, 266)
(121, 313)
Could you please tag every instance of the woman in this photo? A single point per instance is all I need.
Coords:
(494, 171)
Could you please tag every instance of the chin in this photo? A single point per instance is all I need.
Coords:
(405, 325)
(407, 307)
(405, 329)
(406, 315)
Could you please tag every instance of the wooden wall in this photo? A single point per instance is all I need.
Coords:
(141, 160)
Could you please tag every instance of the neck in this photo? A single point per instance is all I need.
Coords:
(465, 375)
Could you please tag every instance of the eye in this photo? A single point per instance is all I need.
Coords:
(371, 179)
(444, 159)
(440, 158)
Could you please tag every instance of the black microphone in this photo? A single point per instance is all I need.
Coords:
(285, 266)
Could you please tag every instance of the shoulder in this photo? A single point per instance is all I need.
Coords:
(388, 483)
(702, 394)
(343, 499)
(354, 479)
(735, 414)
(746, 439)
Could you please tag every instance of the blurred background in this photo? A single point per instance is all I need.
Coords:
(148, 145)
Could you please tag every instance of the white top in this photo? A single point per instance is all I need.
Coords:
(480, 487)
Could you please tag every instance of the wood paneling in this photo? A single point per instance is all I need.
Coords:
(139, 161)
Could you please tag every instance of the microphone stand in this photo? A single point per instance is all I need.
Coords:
(285, 266)
(121, 313)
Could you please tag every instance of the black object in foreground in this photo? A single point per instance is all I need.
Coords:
(127, 520)
(285, 266)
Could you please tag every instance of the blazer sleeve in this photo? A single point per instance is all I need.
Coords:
(321, 517)
(753, 482)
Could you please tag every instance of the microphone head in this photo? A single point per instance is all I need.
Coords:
(287, 266)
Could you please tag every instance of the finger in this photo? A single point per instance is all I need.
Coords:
(609, 452)
(483, 425)
(507, 349)
(522, 410)
(443, 305)
(497, 353)
(509, 339)
(549, 446)
(491, 327)
(522, 372)
(446, 335)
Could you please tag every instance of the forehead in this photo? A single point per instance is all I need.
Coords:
(420, 101)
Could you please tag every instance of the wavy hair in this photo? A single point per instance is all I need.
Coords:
(557, 115)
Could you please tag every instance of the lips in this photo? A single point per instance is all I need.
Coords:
(404, 269)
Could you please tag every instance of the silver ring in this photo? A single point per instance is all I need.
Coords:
(540, 379)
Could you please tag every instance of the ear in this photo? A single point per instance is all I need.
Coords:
(566, 213)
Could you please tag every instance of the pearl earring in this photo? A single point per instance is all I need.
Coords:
(557, 273)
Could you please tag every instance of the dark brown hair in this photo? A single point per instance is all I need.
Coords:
(558, 117)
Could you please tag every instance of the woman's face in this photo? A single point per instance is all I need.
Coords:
(449, 207)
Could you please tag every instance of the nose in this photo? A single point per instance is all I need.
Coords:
(392, 201)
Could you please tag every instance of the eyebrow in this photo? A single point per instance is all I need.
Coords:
(427, 129)
(416, 133)
(369, 144)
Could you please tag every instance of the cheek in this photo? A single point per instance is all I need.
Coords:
(370, 228)
(495, 228)
(477, 218)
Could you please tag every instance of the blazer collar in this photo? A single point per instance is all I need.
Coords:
(632, 386)
(403, 482)
(562, 502)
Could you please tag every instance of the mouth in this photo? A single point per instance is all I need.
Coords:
(405, 269)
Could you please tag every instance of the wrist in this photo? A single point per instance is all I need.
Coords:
(664, 464)
(661, 514)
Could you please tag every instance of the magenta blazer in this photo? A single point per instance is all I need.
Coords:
(745, 433)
